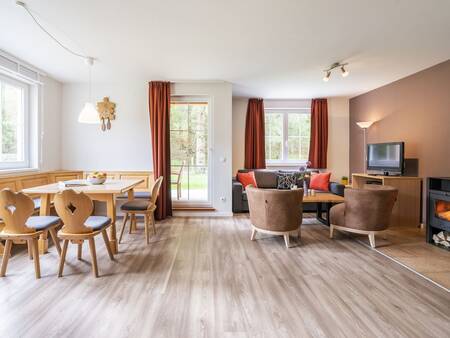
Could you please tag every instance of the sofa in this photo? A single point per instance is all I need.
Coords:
(267, 179)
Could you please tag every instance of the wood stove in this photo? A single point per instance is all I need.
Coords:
(438, 211)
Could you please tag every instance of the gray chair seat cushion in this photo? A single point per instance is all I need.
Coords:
(97, 222)
(135, 205)
(41, 222)
(137, 194)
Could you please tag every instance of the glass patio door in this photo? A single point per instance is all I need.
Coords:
(189, 152)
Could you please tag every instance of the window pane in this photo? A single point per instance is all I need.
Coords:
(189, 126)
(12, 123)
(294, 148)
(274, 124)
(274, 136)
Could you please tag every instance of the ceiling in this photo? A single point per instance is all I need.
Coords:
(266, 48)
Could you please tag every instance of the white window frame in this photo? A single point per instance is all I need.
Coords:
(26, 163)
(286, 111)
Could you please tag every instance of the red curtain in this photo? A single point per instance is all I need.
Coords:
(319, 133)
(159, 107)
(255, 152)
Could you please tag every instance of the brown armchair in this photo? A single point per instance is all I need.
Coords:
(276, 212)
(365, 211)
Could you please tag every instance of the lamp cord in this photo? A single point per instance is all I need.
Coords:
(24, 6)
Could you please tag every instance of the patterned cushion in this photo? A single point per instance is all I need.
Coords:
(97, 222)
(41, 222)
(286, 180)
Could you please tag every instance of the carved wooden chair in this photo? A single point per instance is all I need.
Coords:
(75, 210)
(142, 207)
(20, 227)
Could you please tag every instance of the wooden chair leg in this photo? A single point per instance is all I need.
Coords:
(146, 229)
(132, 223)
(287, 240)
(80, 251)
(55, 240)
(93, 256)
(6, 253)
(125, 219)
(152, 216)
(30, 248)
(37, 267)
(252, 237)
(372, 240)
(63, 257)
(108, 246)
(331, 230)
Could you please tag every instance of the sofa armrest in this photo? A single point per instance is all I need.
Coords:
(237, 190)
(337, 188)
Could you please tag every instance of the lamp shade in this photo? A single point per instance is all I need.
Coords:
(88, 114)
(365, 124)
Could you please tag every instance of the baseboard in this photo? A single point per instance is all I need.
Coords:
(206, 213)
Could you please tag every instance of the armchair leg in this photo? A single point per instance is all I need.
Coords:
(331, 230)
(252, 237)
(372, 240)
(286, 240)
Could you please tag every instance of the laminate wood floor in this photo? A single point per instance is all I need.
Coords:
(203, 277)
(409, 247)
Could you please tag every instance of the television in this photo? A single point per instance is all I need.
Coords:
(386, 157)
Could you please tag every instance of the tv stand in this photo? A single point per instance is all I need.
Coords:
(408, 207)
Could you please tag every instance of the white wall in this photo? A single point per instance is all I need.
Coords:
(126, 146)
(220, 95)
(338, 137)
(50, 125)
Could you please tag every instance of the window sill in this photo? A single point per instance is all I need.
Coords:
(6, 172)
(286, 164)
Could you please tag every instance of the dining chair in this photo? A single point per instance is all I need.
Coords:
(142, 207)
(177, 180)
(20, 227)
(75, 210)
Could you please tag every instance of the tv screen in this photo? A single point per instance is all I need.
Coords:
(385, 156)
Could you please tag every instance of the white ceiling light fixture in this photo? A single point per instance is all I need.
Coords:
(334, 66)
(88, 114)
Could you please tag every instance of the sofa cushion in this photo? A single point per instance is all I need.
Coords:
(320, 181)
(286, 181)
(246, 178)
(266, 179)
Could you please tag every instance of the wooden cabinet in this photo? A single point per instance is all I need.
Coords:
(407, 209)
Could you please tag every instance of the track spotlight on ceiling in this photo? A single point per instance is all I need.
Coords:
(334, 66)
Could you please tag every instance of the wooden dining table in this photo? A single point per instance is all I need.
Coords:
(106, 192)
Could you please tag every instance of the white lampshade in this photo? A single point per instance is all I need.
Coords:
(89, 114)
(365, 124)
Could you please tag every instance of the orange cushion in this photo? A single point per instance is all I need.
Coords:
(320, 181)
(246, 178)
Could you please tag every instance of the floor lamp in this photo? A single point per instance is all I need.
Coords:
(364, 126)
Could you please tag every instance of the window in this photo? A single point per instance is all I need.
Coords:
(14, 124)
(287, 135)
(189, 151)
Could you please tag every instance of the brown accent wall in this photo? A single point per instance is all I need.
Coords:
(416, 110)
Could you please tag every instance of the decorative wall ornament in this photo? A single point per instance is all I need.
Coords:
(106, 112)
